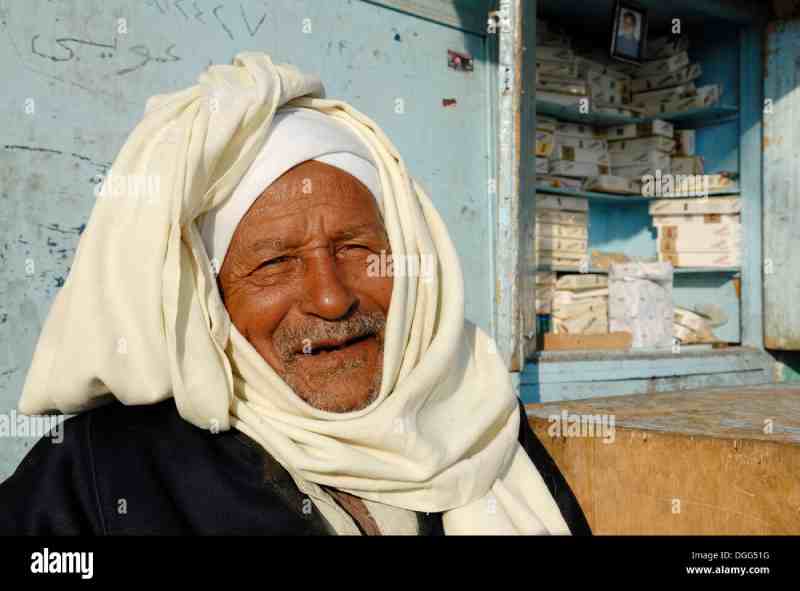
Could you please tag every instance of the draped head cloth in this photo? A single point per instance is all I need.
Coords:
(140, 318)
(295, 136)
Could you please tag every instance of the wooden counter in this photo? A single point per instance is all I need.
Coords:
(696, 462)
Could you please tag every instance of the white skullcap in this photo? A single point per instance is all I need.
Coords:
(296, 135)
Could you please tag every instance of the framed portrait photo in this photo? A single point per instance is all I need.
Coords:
(629, 34)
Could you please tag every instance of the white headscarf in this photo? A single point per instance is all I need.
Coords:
(140, 319)
(295, 136)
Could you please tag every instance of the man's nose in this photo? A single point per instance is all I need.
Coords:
(326, 296)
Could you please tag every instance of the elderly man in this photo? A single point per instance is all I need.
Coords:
(261, 374)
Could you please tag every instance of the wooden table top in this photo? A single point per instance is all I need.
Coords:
(766, 413)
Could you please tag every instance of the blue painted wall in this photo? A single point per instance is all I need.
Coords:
(76, 80)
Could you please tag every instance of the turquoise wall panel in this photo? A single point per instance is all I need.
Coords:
(76, 79)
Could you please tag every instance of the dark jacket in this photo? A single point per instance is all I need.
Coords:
(129, 470)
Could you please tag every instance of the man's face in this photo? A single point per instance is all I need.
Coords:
(295, 284)
(628, 24)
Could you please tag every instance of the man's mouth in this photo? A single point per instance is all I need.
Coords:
(325, 347)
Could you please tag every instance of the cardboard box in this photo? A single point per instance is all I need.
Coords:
(688, 165)
(542, 165)
(687, 185)
(690, 319)
(666, 46)
(606, 98)
(700, 243)
(642, 145)
(639, 171)
(561, 231)
(582, 281)
(601, 81)
(640, 302)
(558, 182)
(666, 80)
(603, 260)
(605, 89)
(687, 336)
(544, 300)
(589, 323)
(701, 259)
(626, 111)
(562, 85)
(575, 257)
(578, 130)
(544, 123)
(560, 217)
(639, 130)
(570, 154)
(667, 65)
(564, 100)
(685, 142)
(707, 223)
(557, 69)
(579, 342)
(693, 233)
(577, 169)
(596, 145)
(561, 244)
(664, 94)
(613, 184)
(721, 182)
(545, 201)
(545, 141)
(588, 67)
(724, 205)
(546, 278)
(571, 296)
(707, 96)
(595, 306)
(554, 54)
(650, 158)
(556, 262)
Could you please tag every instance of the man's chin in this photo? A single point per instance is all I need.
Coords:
(345, 394)
(342, 381)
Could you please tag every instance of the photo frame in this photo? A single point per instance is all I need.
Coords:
(629, 32)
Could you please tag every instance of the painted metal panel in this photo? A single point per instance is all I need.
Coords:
(512, 145)
(751, 81)
(782, 187)
(77, 79)
(467, 15)
(587, 367)
(534, 393)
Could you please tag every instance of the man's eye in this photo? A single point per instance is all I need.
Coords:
(354, 249)
(275, 262)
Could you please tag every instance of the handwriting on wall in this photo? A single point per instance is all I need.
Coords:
(222, 14)
(69, 45)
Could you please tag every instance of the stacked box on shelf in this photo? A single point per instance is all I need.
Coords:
(580, 151)
(699, 232)
(561, 231)
(691, 328)
(557, 78)
(640, 302)
(641, 149)
(608, 85)
(545, 286)
(666, 83)
(545, 138)
(580, 305)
